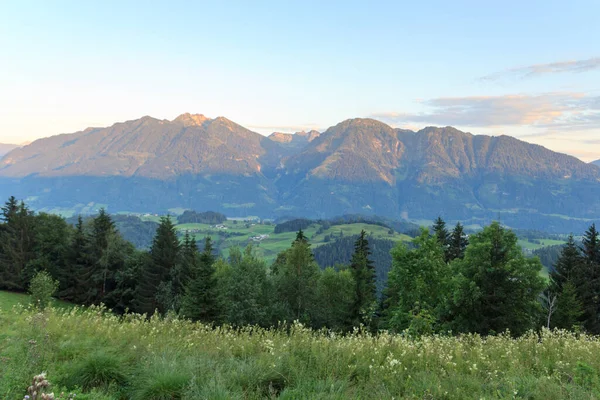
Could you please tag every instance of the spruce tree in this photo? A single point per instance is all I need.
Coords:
(164, 256)
(568, 309)
(188, 263)
(76, 283)
(17, 241)
(588, 282)
(591, 245)
(457, 244)
(441, 232)
(101, 271)
(569, 266)
(200, 299)
(363, 272)
(10, 209)
(102, 227)
(495, 286)
(300, 237)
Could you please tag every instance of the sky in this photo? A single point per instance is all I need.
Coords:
(529, 69)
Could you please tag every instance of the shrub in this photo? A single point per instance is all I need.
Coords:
(99, 370)
(164, 383)
(42, 288)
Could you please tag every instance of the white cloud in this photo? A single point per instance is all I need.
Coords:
(535, 70)
(548, 111)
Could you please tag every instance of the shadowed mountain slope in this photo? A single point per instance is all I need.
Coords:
(357, 166)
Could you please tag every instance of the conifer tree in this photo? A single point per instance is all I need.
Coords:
(200, 299)
(102, 227)
(363, 272)
(457, 244)
(588, 281)
(495, 286)
(441, 232)
(591, 245)
(568, 308)
(100, 271)
(75, 279)
(17, 240)
(182, 274)
(300, 237)
(164, 256)
(52, 239)
(569, 266)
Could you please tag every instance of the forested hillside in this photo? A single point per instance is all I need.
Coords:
(340, 251)
(429, 280)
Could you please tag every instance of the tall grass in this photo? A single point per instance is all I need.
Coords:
(103, 356)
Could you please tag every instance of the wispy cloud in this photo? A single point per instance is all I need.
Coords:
(549, 111)
(544, 69)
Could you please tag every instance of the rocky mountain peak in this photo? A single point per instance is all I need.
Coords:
(191, 119)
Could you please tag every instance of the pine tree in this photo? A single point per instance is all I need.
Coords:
(164, 256)
(17, 241)
(363, 272)
(52, 239)
(588, 281)
(102, 227)
(100, 271)
(457, 244)
(591, 245)
(568, 309)
(300, 237)
(495, 286)
(182, 275)
(569, 266)
(200, 299)
(441, 232)
(76, 278)
(10, 209)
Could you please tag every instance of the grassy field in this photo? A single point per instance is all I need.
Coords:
(99, 356)
(528, 245)
(239, 233)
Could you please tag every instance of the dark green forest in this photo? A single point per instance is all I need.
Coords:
(443, 281)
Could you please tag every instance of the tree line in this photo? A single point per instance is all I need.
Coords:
(443, 282)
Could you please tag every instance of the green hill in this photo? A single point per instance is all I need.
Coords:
(240, 233)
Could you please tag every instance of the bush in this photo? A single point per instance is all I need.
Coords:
(41, 289)
(166, 383)
(99, 370)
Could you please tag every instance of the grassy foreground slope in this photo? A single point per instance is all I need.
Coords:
(110, 357)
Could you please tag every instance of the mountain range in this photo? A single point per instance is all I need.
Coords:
(7, 148)
(359, 166)
(597, 162)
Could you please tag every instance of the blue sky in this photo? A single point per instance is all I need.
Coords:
(529, 69)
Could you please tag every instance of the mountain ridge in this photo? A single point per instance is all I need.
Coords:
(6, 148)
(359, 165)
